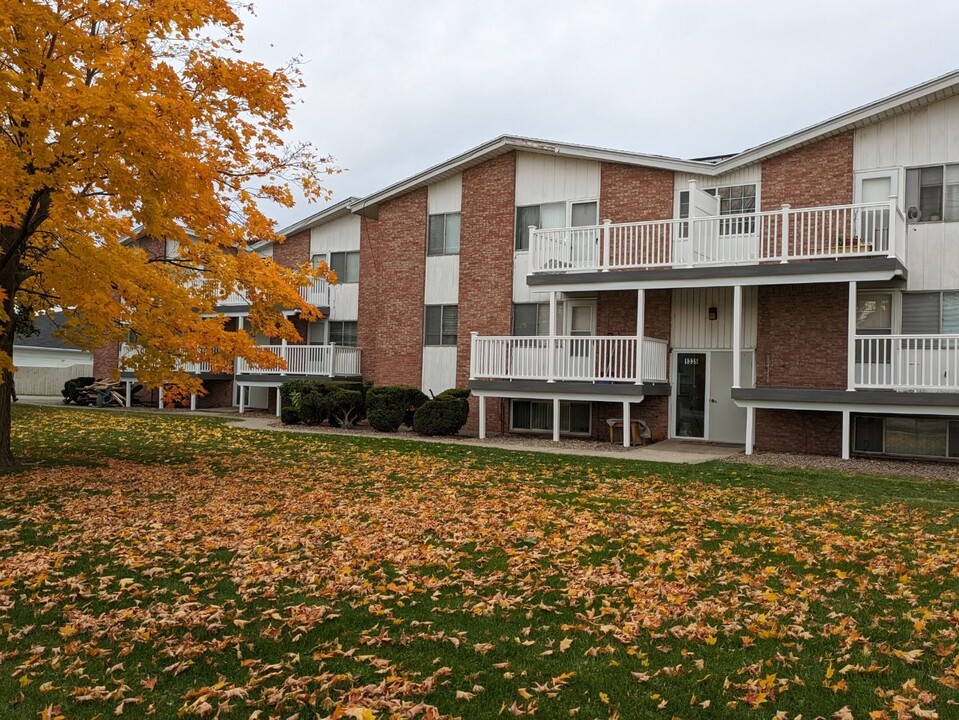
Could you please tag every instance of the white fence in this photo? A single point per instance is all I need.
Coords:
(587, 359)
(859, 230)
(32, 380)
(908, 362)
(326, 360)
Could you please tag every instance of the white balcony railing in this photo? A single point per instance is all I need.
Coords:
(127, 351)
(320, 293)
(858, 230)
(586, 359)
(907, 362)
(323, 360)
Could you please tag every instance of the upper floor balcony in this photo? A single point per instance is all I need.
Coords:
(786, 235)
(128, 350)
(909, 363)
(320, 293)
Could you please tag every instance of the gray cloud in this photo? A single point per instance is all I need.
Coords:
(395, 87)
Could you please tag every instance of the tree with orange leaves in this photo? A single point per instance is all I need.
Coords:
(124, 114)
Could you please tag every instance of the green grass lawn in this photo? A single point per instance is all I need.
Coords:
(174, 566)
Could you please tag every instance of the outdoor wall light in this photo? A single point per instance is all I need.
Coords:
(713, 313)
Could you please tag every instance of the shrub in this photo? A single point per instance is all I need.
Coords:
(391, 406)
(289, 416)
(441, 416)
(307, 398)
(343, 407)
(454, 393)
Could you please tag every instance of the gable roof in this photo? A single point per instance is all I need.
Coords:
(898, 103)
(46, 325)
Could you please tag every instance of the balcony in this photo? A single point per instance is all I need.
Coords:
(778, 236)
(127, 351)
(912, 363)
(320, 293)
(315, 360)
(568, 358)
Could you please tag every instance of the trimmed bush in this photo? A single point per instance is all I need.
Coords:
(343, 407)
(441, 416)
(307, 398)
(289, 416)
(390, 406)
(463, 393)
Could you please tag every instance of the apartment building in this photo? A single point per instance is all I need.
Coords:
(802, 295)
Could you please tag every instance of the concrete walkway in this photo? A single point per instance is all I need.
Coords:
(669, 451)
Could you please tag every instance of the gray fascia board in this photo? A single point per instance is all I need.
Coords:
(845, 397)
(864, 270)
(572, 389)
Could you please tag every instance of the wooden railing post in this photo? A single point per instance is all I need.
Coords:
(333, 350)
(784, 250)
(474, 337)
(534, 252)
(606, 240)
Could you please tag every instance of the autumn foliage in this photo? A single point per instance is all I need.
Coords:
(128, 119)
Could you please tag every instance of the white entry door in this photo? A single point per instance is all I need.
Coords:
(702, 403)
(727, 421)
(577, 357)
(876, 187)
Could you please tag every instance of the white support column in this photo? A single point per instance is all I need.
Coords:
(627, 424)
(192, 402)
(846, 433)
(160, 403)
(239, 322)
(784, 250)
(851, 332)
(750, 429)
(242, 398)
(473, 359)
(737, 335)
(333, 351)
(606, 243)
(893, 225)
(640, 332)
(555, 419)
(551, 347)
(279, 401)
(482, 417)
(129, 393)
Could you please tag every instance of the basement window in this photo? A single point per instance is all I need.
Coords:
(906, 436)
(537, 416)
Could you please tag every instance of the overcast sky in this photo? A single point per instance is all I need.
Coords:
(393, 87)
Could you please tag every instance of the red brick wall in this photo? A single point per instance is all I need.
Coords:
(392, 280)
(219, 393)
(802, 339)
(294, 251)
(817, 174)
(486, 267)
(634, 194)
(800, 431)
(106, 360)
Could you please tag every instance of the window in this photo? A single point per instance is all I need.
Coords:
(932, 194)
(537, 416)
(553, 215)
(316, 333)
(343, 332)
(346, 265)
(317, 259)
(440, 325)
(733, 200)
(444, 234)
(905, 435)
(531, 319)
(930, 313)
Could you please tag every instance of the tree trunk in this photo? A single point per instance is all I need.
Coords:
(7, 335)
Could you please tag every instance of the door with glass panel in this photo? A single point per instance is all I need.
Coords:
(690, 401)
(584, 245)
(874, 349)
(870, 232)
(576, 355)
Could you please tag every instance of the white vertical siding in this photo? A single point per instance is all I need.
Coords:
(442, 279)
(439, 369)
(749, 175)
(340, 235)
(521, 291)
(548, 178)
(925, 136)
(345, 302)
(446, 196)
(691, 328)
